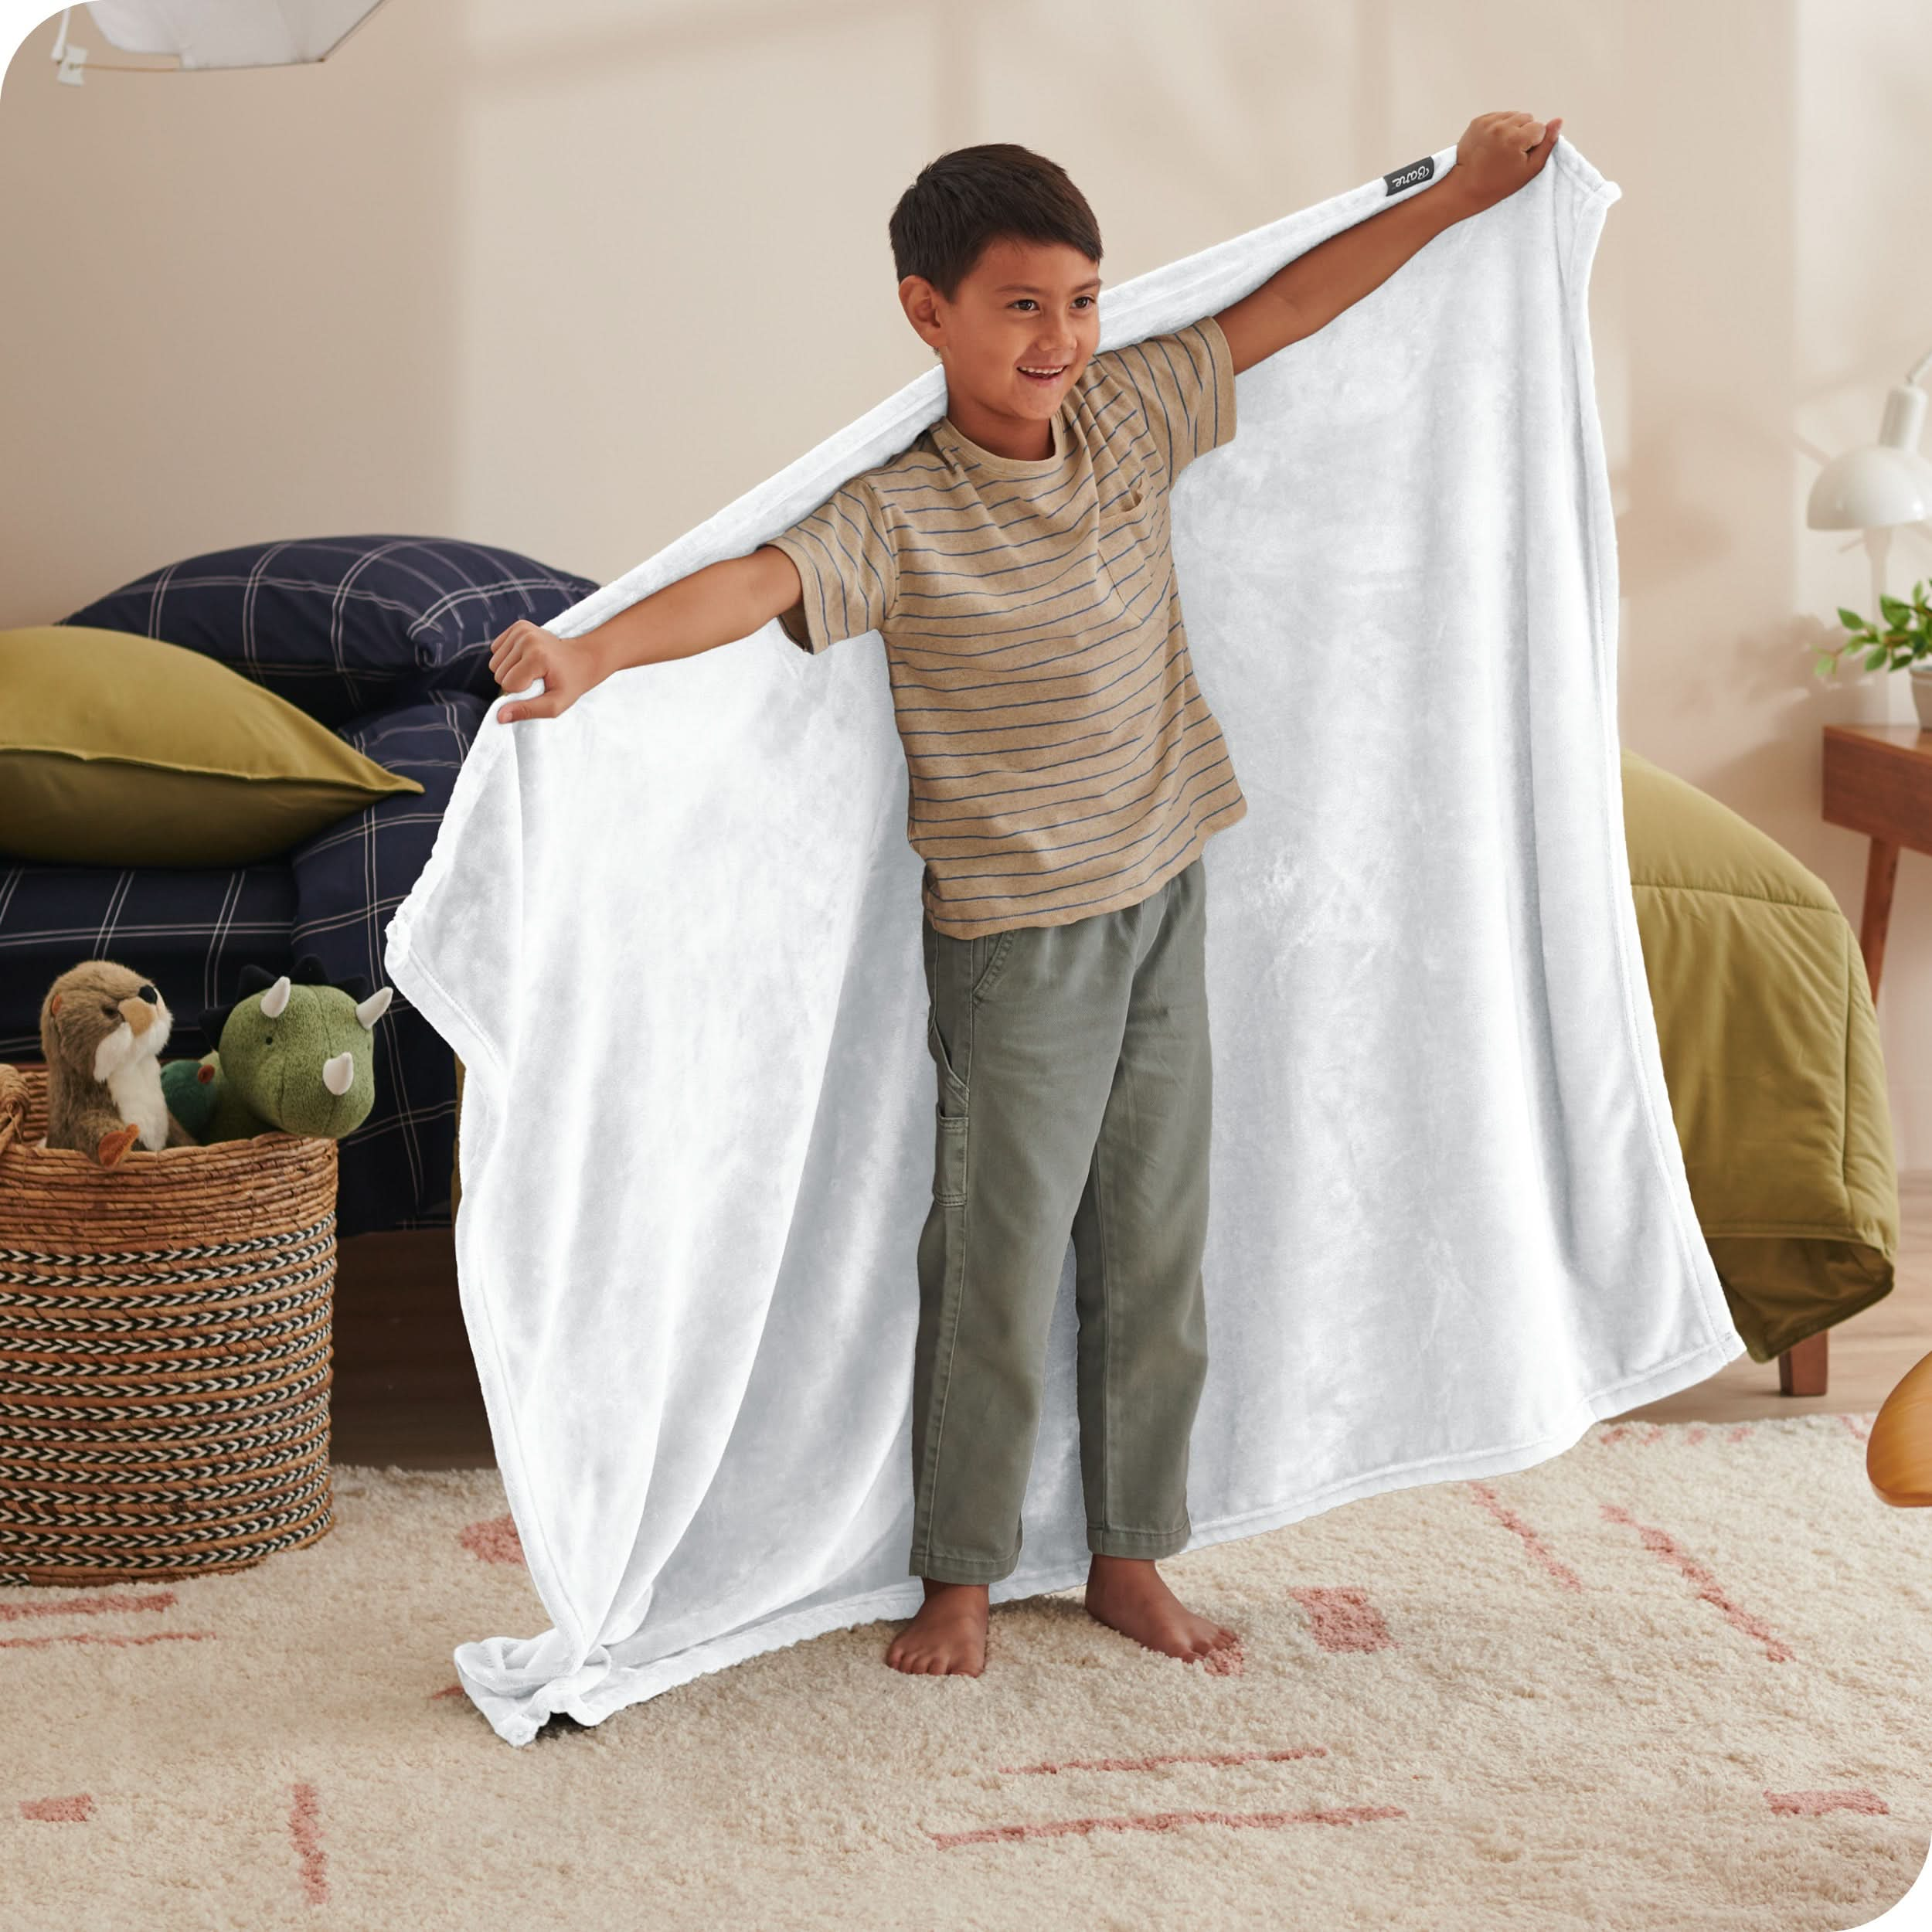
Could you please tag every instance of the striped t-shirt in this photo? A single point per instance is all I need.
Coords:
(1061, 758)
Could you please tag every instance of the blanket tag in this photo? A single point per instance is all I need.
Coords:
(1408, 177)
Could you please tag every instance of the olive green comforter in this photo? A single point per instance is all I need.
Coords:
(1770, 1054)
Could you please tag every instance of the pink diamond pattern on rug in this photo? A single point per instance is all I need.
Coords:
(1639, 1432)
(1660, 1543)
(1225, 1660)
(75, 1810)
(1166, 1822)
(105, 1637)
(102, 1603)
(1560, 1573)
(495, 1540)
(1815, 1804)
(1167, 1757)
(1644, 1434)
(1344, 1619)
(304, 1826)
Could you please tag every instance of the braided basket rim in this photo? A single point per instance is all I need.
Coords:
(139, 1165)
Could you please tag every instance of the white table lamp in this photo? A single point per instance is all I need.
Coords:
(1885, 482)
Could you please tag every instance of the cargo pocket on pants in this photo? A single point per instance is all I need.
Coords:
(949, 1159)
(949, 1117)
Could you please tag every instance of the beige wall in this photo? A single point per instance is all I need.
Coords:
(570, 278)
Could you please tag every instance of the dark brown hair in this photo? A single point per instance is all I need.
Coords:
(974, 195)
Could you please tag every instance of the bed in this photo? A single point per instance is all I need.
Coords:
(1770, 1051)
(385, 639)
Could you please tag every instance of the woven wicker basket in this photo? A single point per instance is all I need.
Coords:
(165, 1351)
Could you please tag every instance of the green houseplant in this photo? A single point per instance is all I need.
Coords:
(1901, 641)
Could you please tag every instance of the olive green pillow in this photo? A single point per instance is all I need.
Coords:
(122, 750)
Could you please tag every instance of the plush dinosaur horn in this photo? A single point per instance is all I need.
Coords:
(308, 970)
(275, 1001)
(370, 1010)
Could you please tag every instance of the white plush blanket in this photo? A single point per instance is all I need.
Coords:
(674, 935)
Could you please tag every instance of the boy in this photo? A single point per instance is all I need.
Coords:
(1065, 773)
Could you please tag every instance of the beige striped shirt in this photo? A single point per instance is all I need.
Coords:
(1061, 760)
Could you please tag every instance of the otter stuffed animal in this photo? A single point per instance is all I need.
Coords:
(102, 1028)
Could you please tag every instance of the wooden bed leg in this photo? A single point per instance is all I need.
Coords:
(1805, 1367)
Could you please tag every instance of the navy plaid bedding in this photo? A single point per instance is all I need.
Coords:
(344, 625)
(192, 931)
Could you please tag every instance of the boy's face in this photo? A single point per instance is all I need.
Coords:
(1024, 306)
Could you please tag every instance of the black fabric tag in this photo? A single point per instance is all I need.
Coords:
(1416, 171)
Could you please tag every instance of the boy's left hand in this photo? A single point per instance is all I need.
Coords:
(1499, 152)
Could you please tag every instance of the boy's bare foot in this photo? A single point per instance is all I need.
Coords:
(946, 1637)
(1128, 1594)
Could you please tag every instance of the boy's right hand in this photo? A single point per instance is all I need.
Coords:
(526, 652)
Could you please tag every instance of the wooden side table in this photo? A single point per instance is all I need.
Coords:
(1878, 781)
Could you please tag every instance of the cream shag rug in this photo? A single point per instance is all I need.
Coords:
(1677, 1677)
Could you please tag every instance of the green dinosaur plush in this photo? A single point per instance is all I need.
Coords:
(298, 1055)
(188, 1088)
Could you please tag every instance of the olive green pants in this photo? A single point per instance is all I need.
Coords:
(1074, 1090)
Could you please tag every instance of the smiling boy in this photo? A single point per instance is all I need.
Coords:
(1065, 773)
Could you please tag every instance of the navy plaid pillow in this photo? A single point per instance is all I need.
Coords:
(340, 625)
